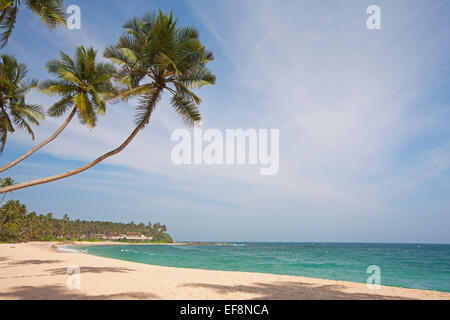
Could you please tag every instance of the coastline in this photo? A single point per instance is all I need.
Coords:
(36, 271)
(107, 243)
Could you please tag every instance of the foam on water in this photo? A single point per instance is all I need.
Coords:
(421, 266)
(69, 249)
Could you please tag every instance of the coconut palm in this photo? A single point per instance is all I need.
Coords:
(17, 223)
(82, 84)
(155, 56)
(14, 111)
(5, 182)
(51, 12)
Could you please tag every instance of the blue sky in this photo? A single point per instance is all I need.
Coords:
(363, 119)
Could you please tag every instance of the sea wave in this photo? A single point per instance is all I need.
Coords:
(69, 250)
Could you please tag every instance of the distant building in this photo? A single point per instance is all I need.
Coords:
(114, 236)
(118, 236)
(137, 236)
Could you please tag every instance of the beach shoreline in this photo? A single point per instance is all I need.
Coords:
(35, 270)
(107, 242)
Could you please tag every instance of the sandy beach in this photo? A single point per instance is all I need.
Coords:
(37, 271)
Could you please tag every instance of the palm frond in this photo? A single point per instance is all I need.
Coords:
(197, 77)
(14, 111)
(7, 24)
(82, 82)
(98, 103)
(32, 112)
(54, 87)
(103, 73)
(5, 4)
(3, 132)
(66, 61)
(186, 109)
(86, 113)
(70, 77)
(6, 121)
(146, 105)
(156, 55)
(20, 122)
(51, 12)
(185, 92)
(61, 107)
(115, 55)
(186, 33)
(26, 85)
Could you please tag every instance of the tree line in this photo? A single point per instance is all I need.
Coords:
(19, 224)
(154, 57)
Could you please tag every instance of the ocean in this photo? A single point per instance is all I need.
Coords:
(419, 266)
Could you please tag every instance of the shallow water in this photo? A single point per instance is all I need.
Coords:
(420, 266)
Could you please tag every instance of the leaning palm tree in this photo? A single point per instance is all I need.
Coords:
(172, 58)
(14, 111)
(51, 13)
(155, 56)
(82, 83)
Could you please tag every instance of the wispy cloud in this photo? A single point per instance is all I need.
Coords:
(363, 129)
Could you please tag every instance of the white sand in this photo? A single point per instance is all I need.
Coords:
(33, 271)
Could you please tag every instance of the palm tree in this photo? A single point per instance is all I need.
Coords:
(172, 58)
(51, 13)
(155, 56)
(48, 221)
(11, 212)
(65, 226)
(5, 182)
(82, 83)
(14, 111)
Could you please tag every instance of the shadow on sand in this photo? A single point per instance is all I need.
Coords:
(294, 291)
(63, 271)
(59, 292)
(17, 263)
(62, 293)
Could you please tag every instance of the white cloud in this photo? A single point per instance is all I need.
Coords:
(342, 96)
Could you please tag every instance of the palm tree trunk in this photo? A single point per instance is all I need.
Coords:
(115, 151)
(3, 222)
(43, 143)
(2, 16)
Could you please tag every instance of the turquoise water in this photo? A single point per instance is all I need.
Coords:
(424, 266)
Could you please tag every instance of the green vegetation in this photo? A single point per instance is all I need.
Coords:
(82, 83)
(163, 238)
(17, 224)
(51, 13)
(14, 111)
(155, 56)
